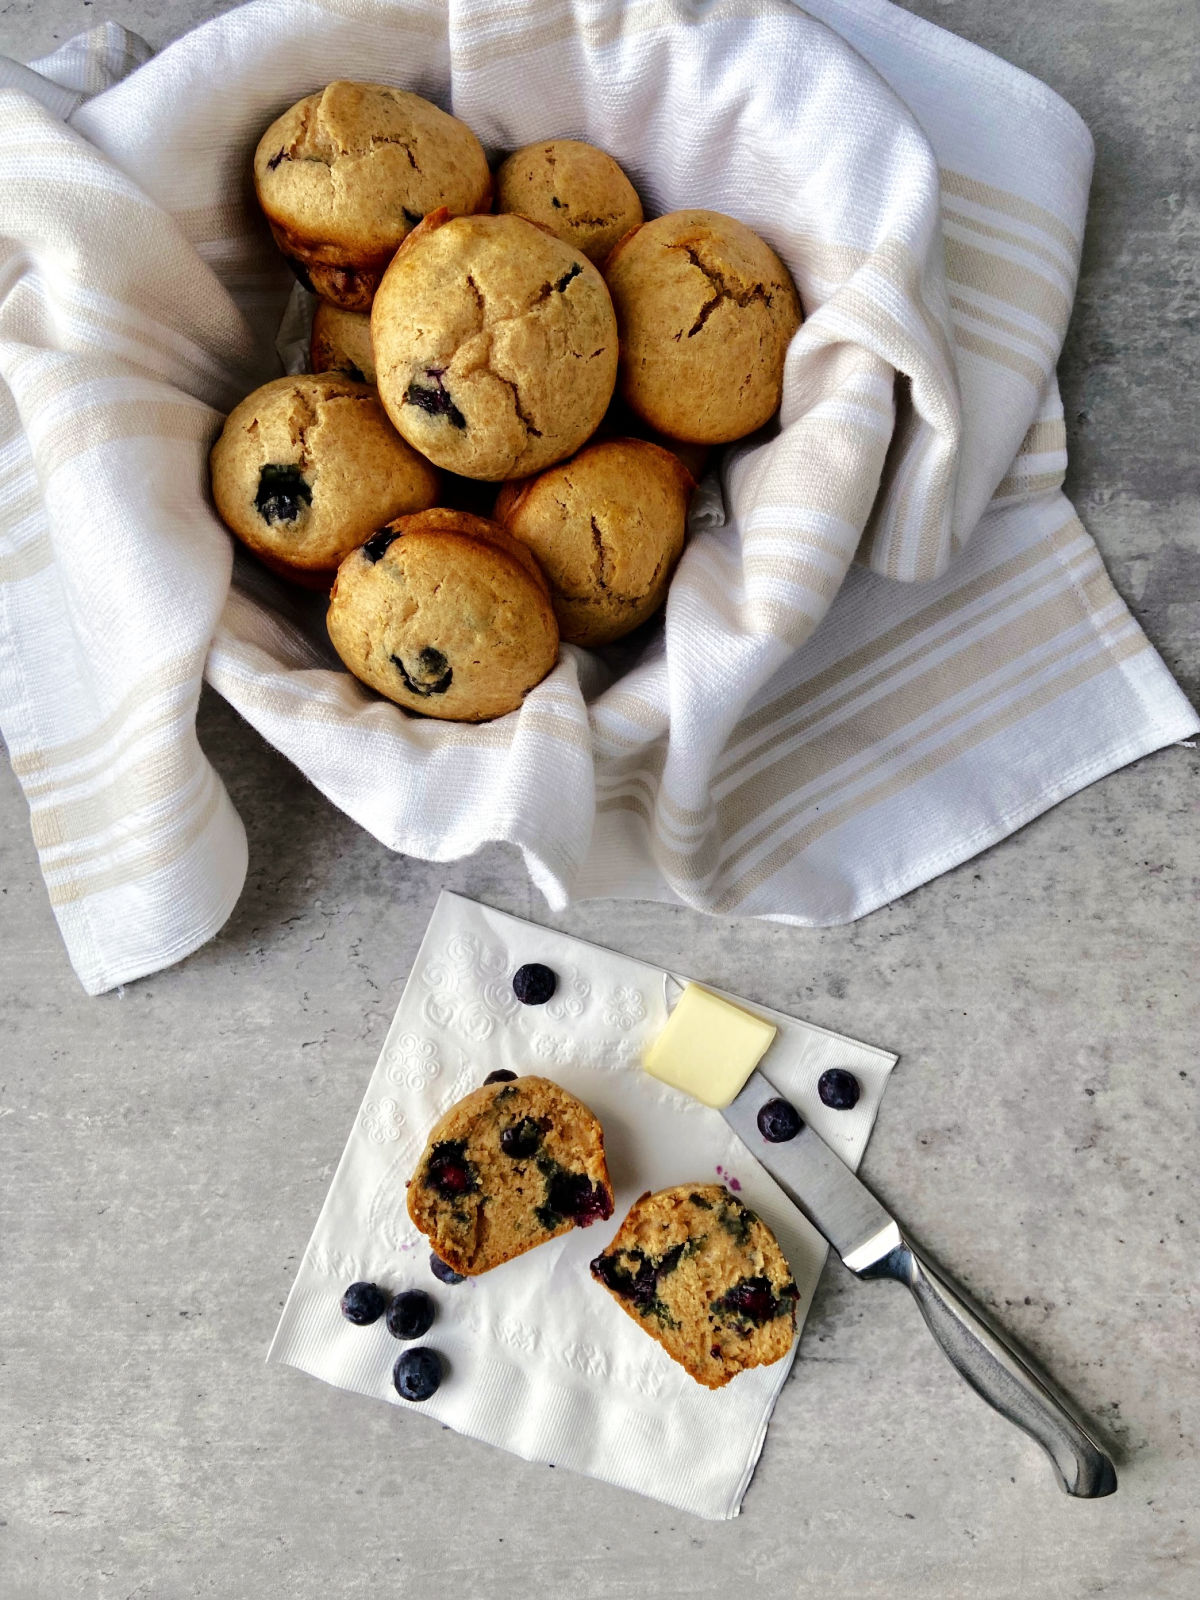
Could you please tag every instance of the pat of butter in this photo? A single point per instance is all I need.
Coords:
(709, 1047)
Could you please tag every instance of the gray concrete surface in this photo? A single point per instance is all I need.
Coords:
(164, 1151)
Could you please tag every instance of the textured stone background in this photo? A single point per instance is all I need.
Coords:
(164, 1151)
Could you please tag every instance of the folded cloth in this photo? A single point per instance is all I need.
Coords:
(541, 1361)
(807, 736)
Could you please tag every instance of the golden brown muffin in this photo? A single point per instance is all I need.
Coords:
(495, 345)
(705, 1277)
(572, 188)
(445, 614)
(341, 342)
(508, 1167)
(346, 173)
(606, 528)
(308, 467)
(706, 310)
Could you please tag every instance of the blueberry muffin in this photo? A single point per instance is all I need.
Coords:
(346, 173)
(706, 311)
(508, 1167)
(606, 528)
(341, 342)
(572, 188)
(445, 614)
(495, 345)
(705, 1276)
(308, 467)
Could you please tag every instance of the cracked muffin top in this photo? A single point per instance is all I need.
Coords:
(705, 1277)
(572, 188)
(346, 173)
(308, 467)
(446, 614)
(607, 528)
(495, 345)
(508, 1167)
(341, 342)
(706, 311)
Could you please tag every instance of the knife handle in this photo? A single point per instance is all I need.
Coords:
(986, 1360)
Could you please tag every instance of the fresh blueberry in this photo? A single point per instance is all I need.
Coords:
(276, 159)
(838, 1089)
(410, 1314)
(779, 1121)
(442, 1272)
(282, 493)
(417, 1373)
(521, 1139)
(430, 673)
(363, 1304)
(533, 984)
(378, 543)
(501, 1075)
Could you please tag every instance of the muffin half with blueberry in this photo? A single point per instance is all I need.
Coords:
(308, 467)
(508, 1167)
(705, 1277)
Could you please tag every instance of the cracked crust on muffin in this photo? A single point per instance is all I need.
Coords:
(495, 345)
(346, 174)
(307, 467)
(574, 189)
(607, 528)
(706, 311)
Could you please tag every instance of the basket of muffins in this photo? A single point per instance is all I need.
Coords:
(514, 380)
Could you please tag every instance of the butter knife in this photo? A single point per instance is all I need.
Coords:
(873, 1245)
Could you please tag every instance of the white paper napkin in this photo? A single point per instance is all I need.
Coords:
(539, 1359)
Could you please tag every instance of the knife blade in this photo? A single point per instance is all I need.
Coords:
(820, 1182)
(873, 1245)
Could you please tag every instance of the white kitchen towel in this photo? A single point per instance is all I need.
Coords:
(805, 738)
(540, 1360)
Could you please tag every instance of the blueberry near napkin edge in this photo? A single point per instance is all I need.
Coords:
(1075, 695)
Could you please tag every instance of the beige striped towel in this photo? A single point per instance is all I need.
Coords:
(808, 736)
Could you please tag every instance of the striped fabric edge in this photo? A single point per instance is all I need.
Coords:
(92, 61)
(1019, 636)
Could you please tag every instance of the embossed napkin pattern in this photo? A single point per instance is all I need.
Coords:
(540, 1361)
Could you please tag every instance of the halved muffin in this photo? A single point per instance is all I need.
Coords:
(508, 1167)
(705, 1277)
